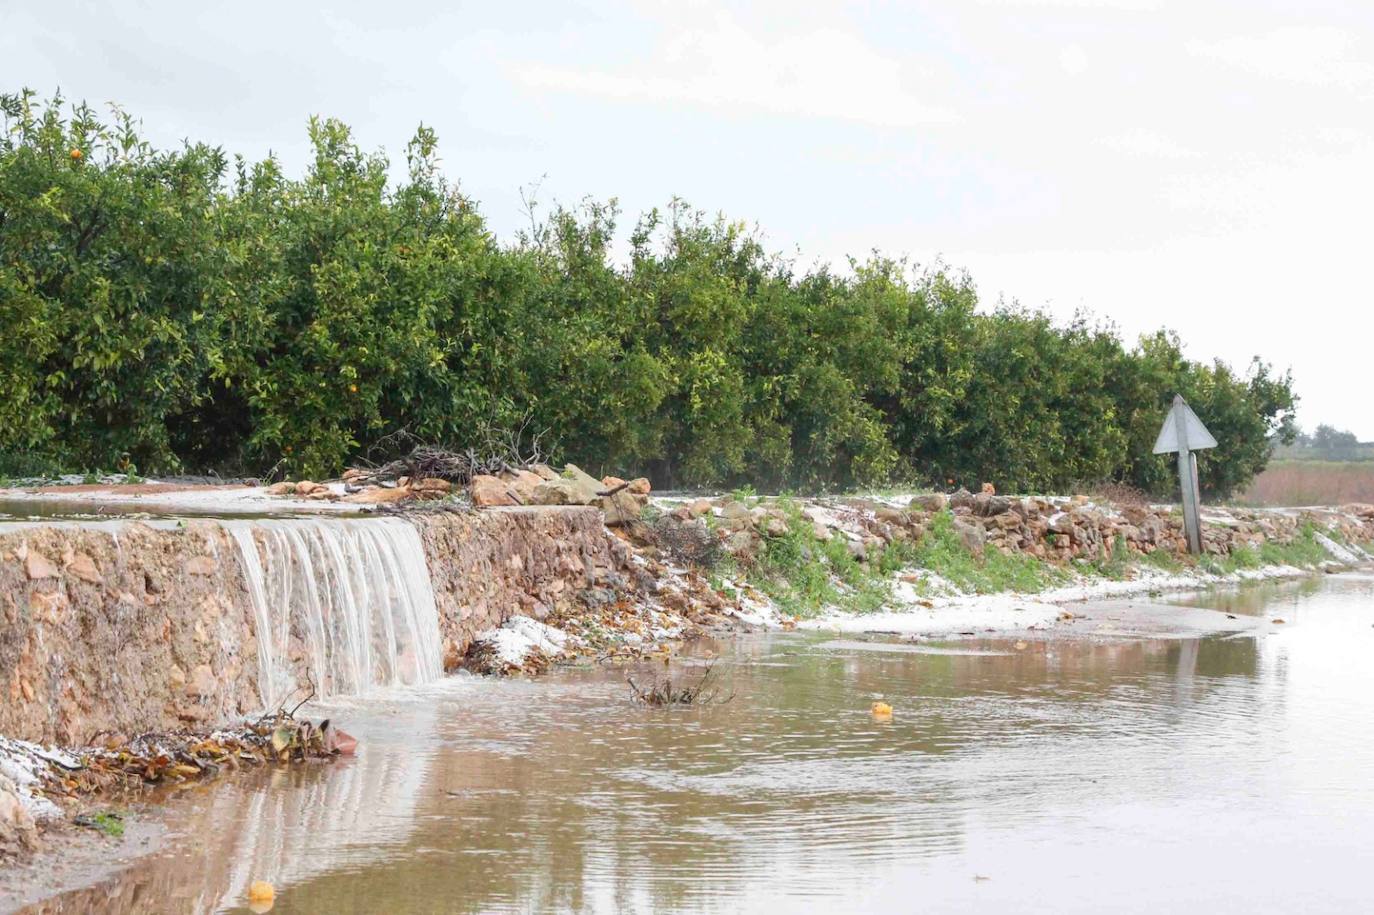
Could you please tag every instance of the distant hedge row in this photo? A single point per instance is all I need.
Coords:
(181, 311)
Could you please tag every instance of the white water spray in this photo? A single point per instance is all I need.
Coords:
(346, 600)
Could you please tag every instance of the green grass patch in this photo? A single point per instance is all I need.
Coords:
(943, 552)
(804, 574)
(1302, 552)
(109, 823)
(1164, 560)
(1118, 562)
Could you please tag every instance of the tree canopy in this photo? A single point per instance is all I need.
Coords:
(181, 310)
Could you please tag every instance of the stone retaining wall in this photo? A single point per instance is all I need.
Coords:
(125, 629)
(129, 628)
(488, 566)
(1058, 530)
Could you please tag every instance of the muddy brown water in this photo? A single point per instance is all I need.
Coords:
(1224, 773)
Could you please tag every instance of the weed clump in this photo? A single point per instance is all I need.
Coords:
(804, 574)
(661, 693)
(1303, 551)
(943, 552)
(110, 823)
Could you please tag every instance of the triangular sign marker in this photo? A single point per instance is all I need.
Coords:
(1195, 434)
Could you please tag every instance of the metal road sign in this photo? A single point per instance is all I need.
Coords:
(1184, 432)
(1182, 425)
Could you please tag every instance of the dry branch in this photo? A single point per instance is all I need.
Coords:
(491, 451)
(663, 693)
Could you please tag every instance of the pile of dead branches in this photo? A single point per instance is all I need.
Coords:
(277, 738)
(112, 762)
(491, 451)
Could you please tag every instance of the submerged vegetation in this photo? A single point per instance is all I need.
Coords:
(661, 692)
(182, 310)
(109, 823)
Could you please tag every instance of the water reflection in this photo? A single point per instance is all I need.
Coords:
(284, 825)
(1257, 598)
(1140, 774)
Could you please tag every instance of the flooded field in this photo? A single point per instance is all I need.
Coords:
(1222, 773)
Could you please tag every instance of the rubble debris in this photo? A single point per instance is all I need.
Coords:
(42, 784)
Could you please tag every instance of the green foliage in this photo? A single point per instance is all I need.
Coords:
(109, 823)
(1164, 560)
(804, 575)
(108, 260)
(176, 309)
(744, 493)
(1302, 552)
(943, 552)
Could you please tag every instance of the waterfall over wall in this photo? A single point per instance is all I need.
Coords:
(202, 621)
(346, 602)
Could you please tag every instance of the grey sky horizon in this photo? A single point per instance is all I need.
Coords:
(1202, 166)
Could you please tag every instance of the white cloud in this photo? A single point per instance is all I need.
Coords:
(1073, 60)
(722, 66)
(1086, 5)
(1325, 57)
(1148, 144)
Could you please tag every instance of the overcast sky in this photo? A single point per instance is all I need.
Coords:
(1207, 165)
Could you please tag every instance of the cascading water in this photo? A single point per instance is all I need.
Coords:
(347, 601)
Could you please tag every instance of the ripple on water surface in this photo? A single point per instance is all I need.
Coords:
(1191, 774)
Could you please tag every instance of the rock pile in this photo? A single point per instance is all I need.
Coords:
(349, 490)
(1054, 529)
(621, 501)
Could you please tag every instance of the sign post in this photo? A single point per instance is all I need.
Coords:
(1184, 432)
